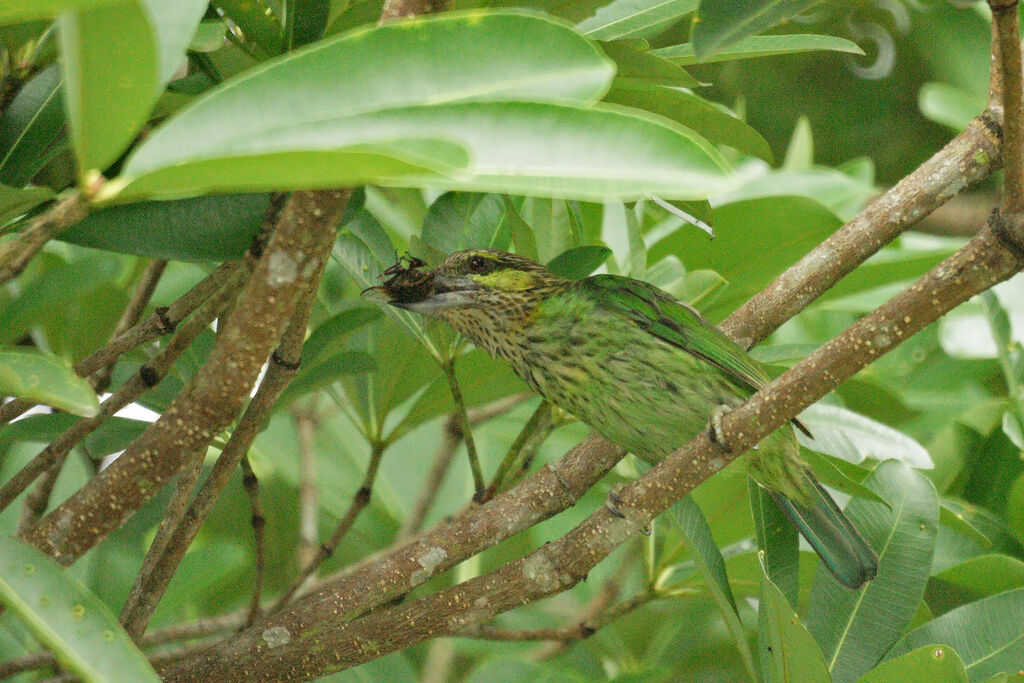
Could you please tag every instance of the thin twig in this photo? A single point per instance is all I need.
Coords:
(187, 479)
(538, 422)
(1007, 33)
(18, 251)
(37, 500)
(259, 523)
(162, 321)
(309, 506)
(324, 550)
(131, 314)
(467, 430)
(148, 376)
(283, 366)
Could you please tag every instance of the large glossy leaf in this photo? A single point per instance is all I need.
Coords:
(986, 634)
(691, 111)
(38, 378)
(927, 663)
(723, 23)
(110, 64)
(856, 628)
(760, 46)
(788, 652)
(976, 578)
(842, 433)
(633, 62)
(553, 150)
(779, 543)
(579, 262)
(210, 228)
(174, 24)
(627, 18)
(459, 220)
(70, 620)
(527, 57)
(32, 127)
(23, 10)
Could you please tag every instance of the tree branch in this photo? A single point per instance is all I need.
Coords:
(19, 250)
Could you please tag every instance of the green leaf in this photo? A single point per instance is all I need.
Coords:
(721, 24)
(175, 24)
(45, 379)
(691, 111)
(329, 336)
(626, 18)
(788, 652)
(208, 228)
(986, 634)
(800, 153)
(522, 234)
(22, 10)
(32, 128)
(70, 620)
(258, 22)
(305, 21)
(16, 202)
(842, 433)
(460, 220)
(973, 579)
(842, 194)
(760, 46)
(855, 628)
(642, 65)
(953, 519)
(755, 241)
(841, 475)
(110, 63)
(326, 372)
(579, 262)
(699, 542)
(926, 663)
(949, 105)
(779, 542)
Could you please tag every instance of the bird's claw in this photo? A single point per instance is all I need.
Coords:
(715, 432)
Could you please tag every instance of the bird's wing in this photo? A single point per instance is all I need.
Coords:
(656, 312)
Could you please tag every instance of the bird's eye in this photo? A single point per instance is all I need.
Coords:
(478, 264)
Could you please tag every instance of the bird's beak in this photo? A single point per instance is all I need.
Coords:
(448, 292)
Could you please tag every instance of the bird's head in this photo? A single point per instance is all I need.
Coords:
(486, 292)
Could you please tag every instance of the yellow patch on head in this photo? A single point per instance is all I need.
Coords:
(507, 280)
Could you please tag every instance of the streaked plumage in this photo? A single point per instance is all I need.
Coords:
(638, 366)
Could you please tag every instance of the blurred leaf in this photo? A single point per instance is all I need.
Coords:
(15, 202)
(760, 46)
(38, 378)
(1012, 428)
(32, 127)
(206, 228)
(927, 663)
(800, 153)
(626, 18)
(260, 26)
(954, 520)
(788, 652)
(841, 193)
(330, 336)
(305, 21)
(691, 111)
(699, 542)
(174, 24)
(973, 579)
(72, 622)
(720, 24)
(855, 628)
(579, 262)
(779, 543)
(949, 105)
(22, 10)
(840, 475)
(886, 267)
(110, 79)
(325, 372)
(990, 535)
(642, 65)
(842, 433)
(986, 634)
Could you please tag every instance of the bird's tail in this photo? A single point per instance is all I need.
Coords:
(832, 535)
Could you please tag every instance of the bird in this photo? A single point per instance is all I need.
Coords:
(644, 370)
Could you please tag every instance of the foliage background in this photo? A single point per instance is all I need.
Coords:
(837, 127)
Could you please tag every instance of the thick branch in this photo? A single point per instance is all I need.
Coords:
(1007, 36)
(215, 395)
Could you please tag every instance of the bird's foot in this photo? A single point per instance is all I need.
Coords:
(715, 432)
